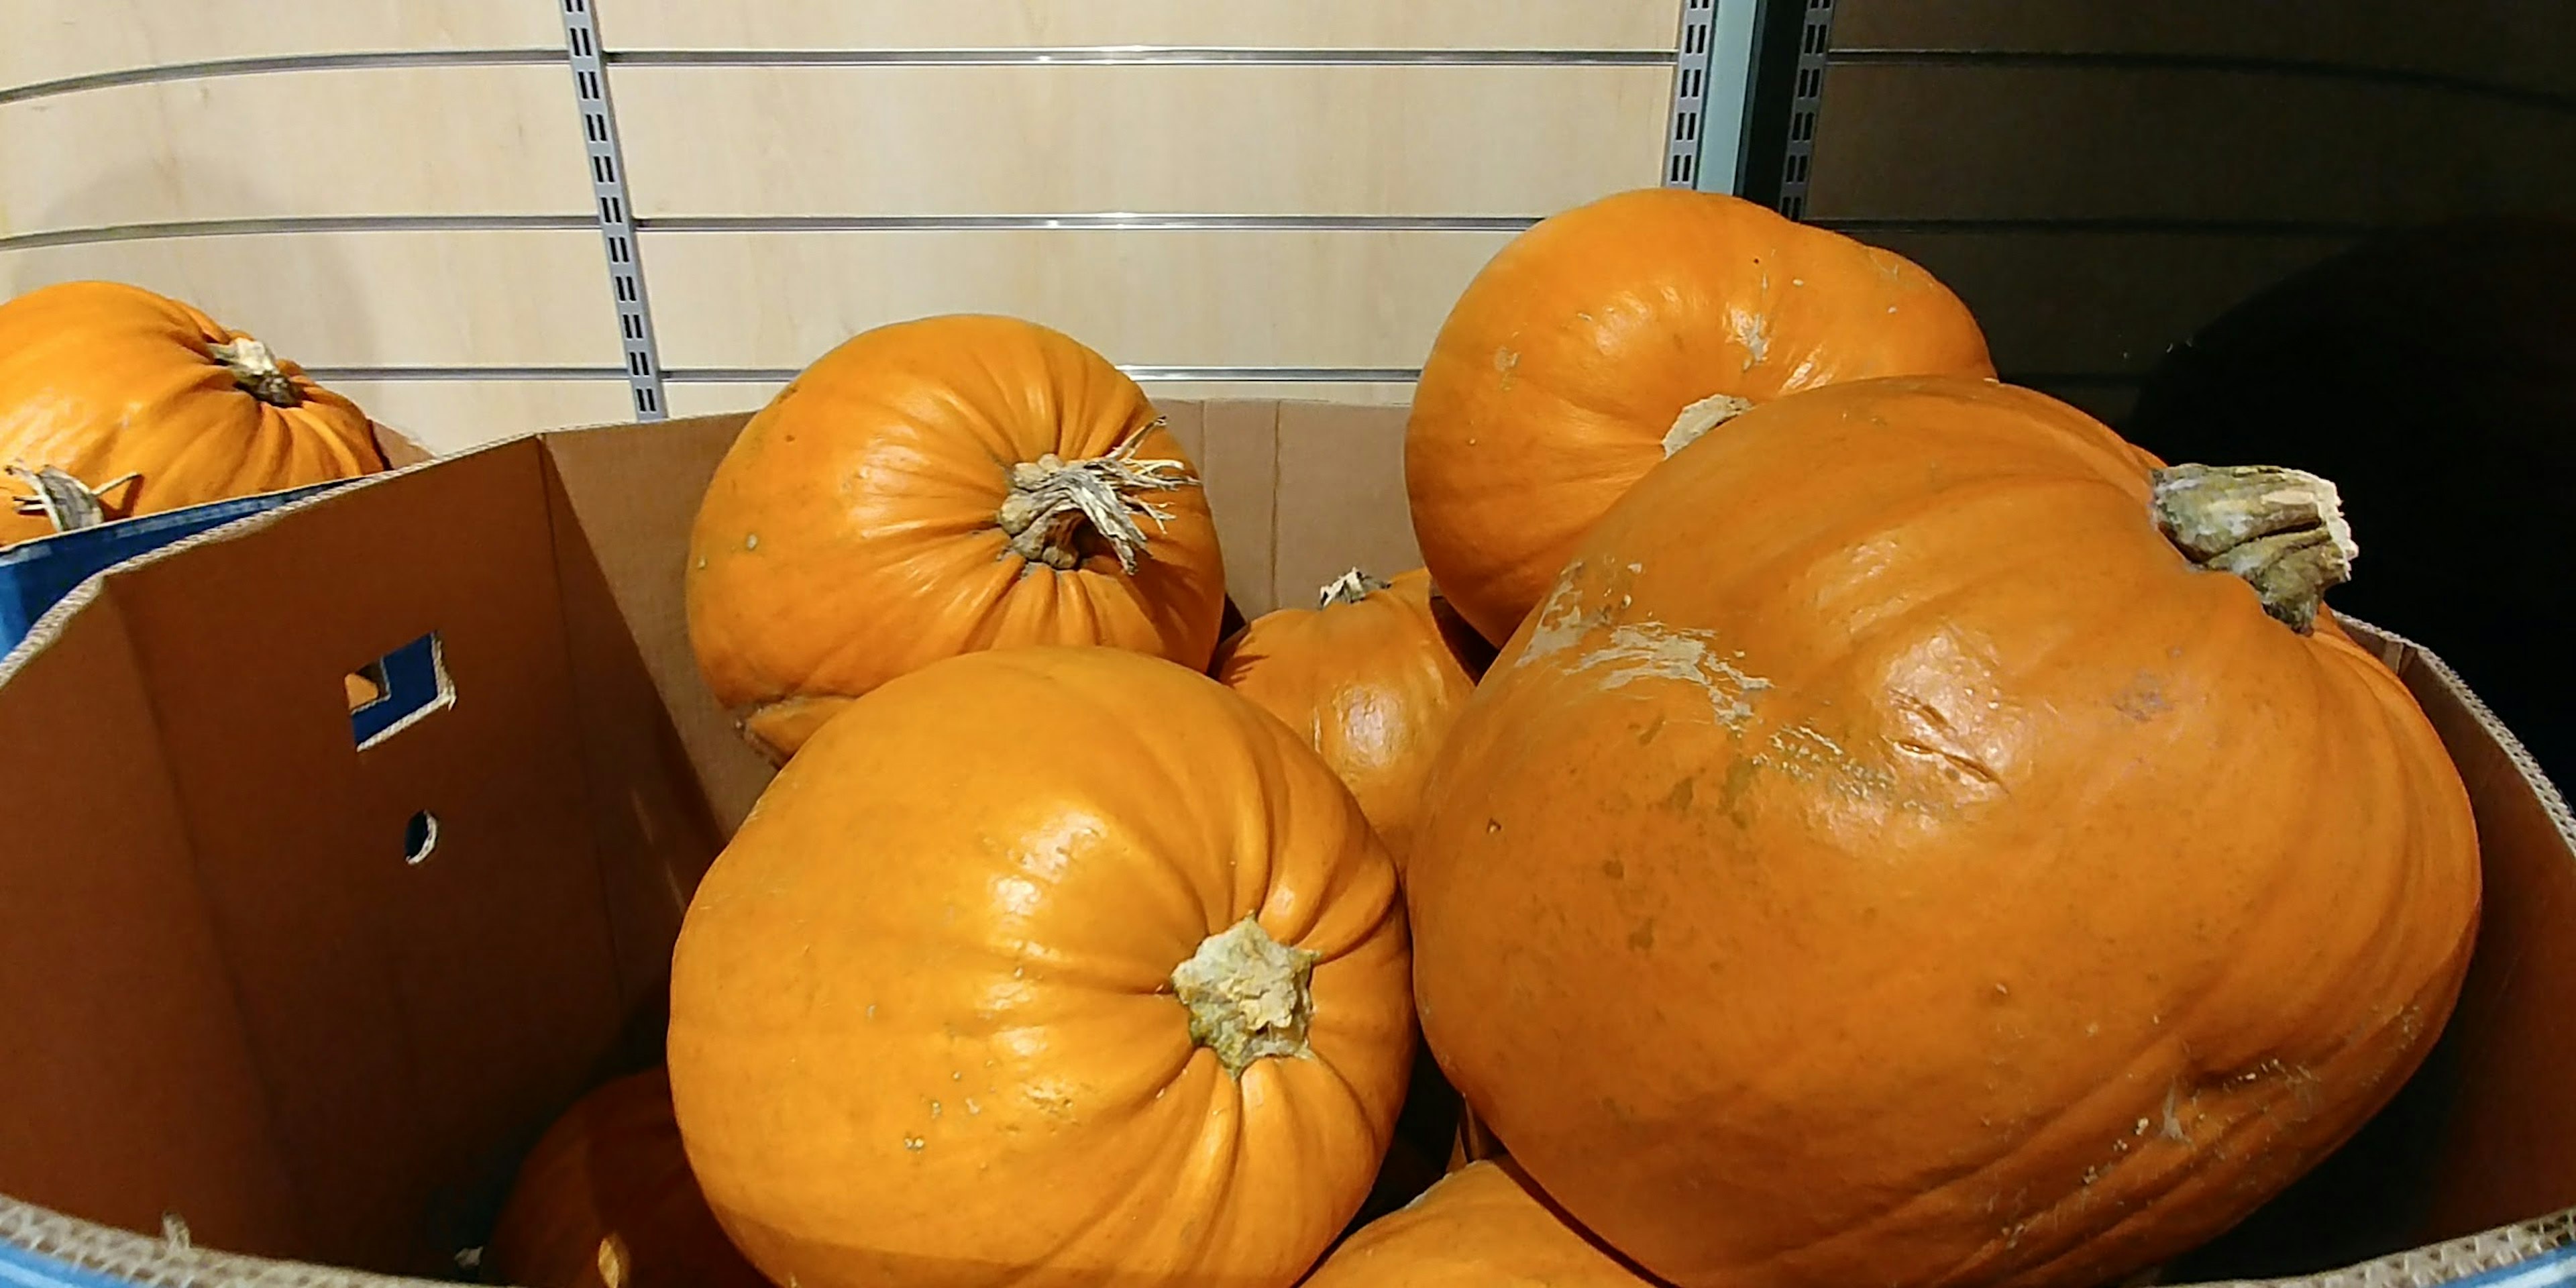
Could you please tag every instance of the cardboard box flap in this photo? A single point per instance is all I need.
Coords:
(382, 913)
(147, 1096)
(2507, 1145)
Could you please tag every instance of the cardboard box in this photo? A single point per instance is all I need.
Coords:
(35, 575)
(309, 980)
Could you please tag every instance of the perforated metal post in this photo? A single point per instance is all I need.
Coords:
(1690, 95)
(1806, 96)
(616, 213)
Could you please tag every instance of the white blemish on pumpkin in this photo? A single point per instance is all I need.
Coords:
(956, 1075)
(934, 1109)
(1749, 332)
(915, 1143)
(1561, 622)
(1696, 420)
(751, 542)
(1797, 281)
(2173, 1116)
(2142, 1128)
(1654, 651)
(872, 1010)
(972, 1108)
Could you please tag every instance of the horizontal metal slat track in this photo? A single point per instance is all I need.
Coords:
(780, 375)
(211, 68)
(1032, 56)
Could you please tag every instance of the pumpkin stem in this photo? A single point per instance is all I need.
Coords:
(2281, 529)
(1700, 417)
(1349, 588)
(1247, 996)
(255, 369)
(1052, 500)
(66, 502)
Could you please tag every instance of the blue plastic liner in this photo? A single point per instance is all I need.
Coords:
(36, 575)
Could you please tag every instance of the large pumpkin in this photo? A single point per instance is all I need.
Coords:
(1043, 966)
(934, 487)
(1605, 337)
(1908, 848)
(1480, 1227)
(1368, 678)
(605, 1200)
(115, 401)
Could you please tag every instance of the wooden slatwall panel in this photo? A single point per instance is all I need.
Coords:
(2097, 179)
(398, 195)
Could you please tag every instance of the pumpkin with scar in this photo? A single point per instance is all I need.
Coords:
(1922, 839)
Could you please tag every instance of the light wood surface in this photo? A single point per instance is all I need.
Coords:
(707, 398)
(1409, 140)
(452, 415)
(1164, 298)
(1516, 139)
(975, 24)
(361, 141)
(371, 299)
(48, 40)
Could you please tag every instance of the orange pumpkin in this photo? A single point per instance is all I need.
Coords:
(1907, 847)
(1602, 339)
(1480, 1227)
(1370, 681)
(934, 487)
(1043, 966)
(605, 1200)
(115, 401)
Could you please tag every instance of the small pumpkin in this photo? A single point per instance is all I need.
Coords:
(606, 1200)
(1046, 965)
(1924, 840)
(1604, 338)
(1479, 1227)
(934, 487)
(116, 401)
(1370, 681)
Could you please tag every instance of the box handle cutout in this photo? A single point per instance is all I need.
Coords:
(398, 690)
(420, 836)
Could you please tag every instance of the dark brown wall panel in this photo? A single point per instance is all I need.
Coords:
(2524, 45)
(2097, 180)
(2051, 143)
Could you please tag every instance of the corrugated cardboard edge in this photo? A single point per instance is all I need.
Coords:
(48, 627)
(40, 1248)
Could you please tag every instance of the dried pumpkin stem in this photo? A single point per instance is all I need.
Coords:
(1248, 996)
(66, 502)
(1349, 588)
(1052, 500)
(255, 369)
(1702, 416)
(2280, 529)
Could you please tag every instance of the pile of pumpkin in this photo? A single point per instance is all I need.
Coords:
(1831, 816)
(1906, 834)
